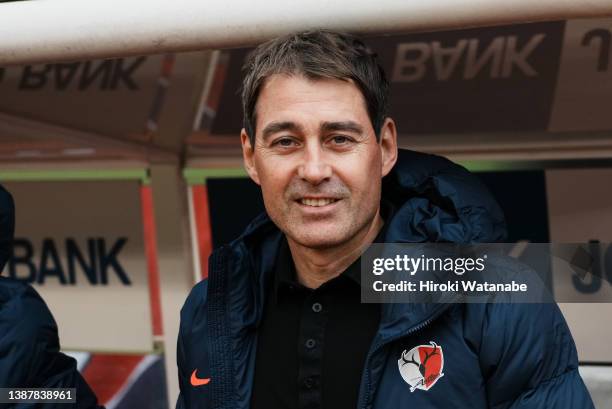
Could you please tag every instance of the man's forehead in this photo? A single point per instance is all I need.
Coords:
(288, 99)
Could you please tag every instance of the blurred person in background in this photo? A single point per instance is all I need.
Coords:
(279, 322)
(30, 354)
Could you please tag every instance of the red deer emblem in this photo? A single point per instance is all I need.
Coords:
(421, 367)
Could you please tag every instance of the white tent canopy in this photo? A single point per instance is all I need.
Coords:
(62, 30)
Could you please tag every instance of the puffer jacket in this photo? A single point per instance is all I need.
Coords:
(30, 354)
(518, 356)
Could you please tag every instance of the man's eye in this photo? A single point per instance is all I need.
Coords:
(341, 140)
(284, 142)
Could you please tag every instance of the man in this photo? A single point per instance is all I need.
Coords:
(279, 323)
(30, 354)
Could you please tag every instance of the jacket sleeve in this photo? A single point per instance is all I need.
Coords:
(192, 329)
(529, 360)
(181, 363)
(29, 347)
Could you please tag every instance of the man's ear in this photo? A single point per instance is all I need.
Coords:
(248, 153)
(388, 145)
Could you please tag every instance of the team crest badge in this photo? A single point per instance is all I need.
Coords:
(421, 367)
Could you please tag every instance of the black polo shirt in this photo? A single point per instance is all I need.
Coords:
(312, 344)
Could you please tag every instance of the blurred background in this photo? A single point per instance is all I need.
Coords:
(127, 172)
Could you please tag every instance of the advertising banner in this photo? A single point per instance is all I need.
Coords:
(580, 209)
(583, 94)
(80, 244)
(84, 95)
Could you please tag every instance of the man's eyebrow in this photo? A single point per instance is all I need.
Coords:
(275, 127)
(346, 126)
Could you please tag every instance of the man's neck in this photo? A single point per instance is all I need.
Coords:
(314, 267)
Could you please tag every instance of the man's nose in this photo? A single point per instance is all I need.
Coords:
(314, 168)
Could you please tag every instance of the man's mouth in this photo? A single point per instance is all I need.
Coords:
(317, 202)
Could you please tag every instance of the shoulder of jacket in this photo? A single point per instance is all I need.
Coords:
(195, 302)
(24, 316)
(19, 301)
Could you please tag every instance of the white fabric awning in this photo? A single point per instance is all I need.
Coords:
(61, 30)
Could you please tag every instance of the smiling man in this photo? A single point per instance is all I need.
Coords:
(279, 322)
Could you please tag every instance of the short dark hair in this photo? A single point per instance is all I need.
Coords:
(316, 54)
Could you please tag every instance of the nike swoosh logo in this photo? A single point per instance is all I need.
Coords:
(195, 381)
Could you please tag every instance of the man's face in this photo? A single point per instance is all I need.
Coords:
(317, 160)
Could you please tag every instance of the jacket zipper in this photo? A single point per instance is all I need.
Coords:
(379, 345)
(217, 324)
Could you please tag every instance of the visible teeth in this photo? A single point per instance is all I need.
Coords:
(317, 202)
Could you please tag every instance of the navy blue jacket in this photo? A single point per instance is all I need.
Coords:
(30, 354)
(515, 356)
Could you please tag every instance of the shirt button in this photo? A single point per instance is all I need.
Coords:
(317, 307)
(310, 343)
(309, 382)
